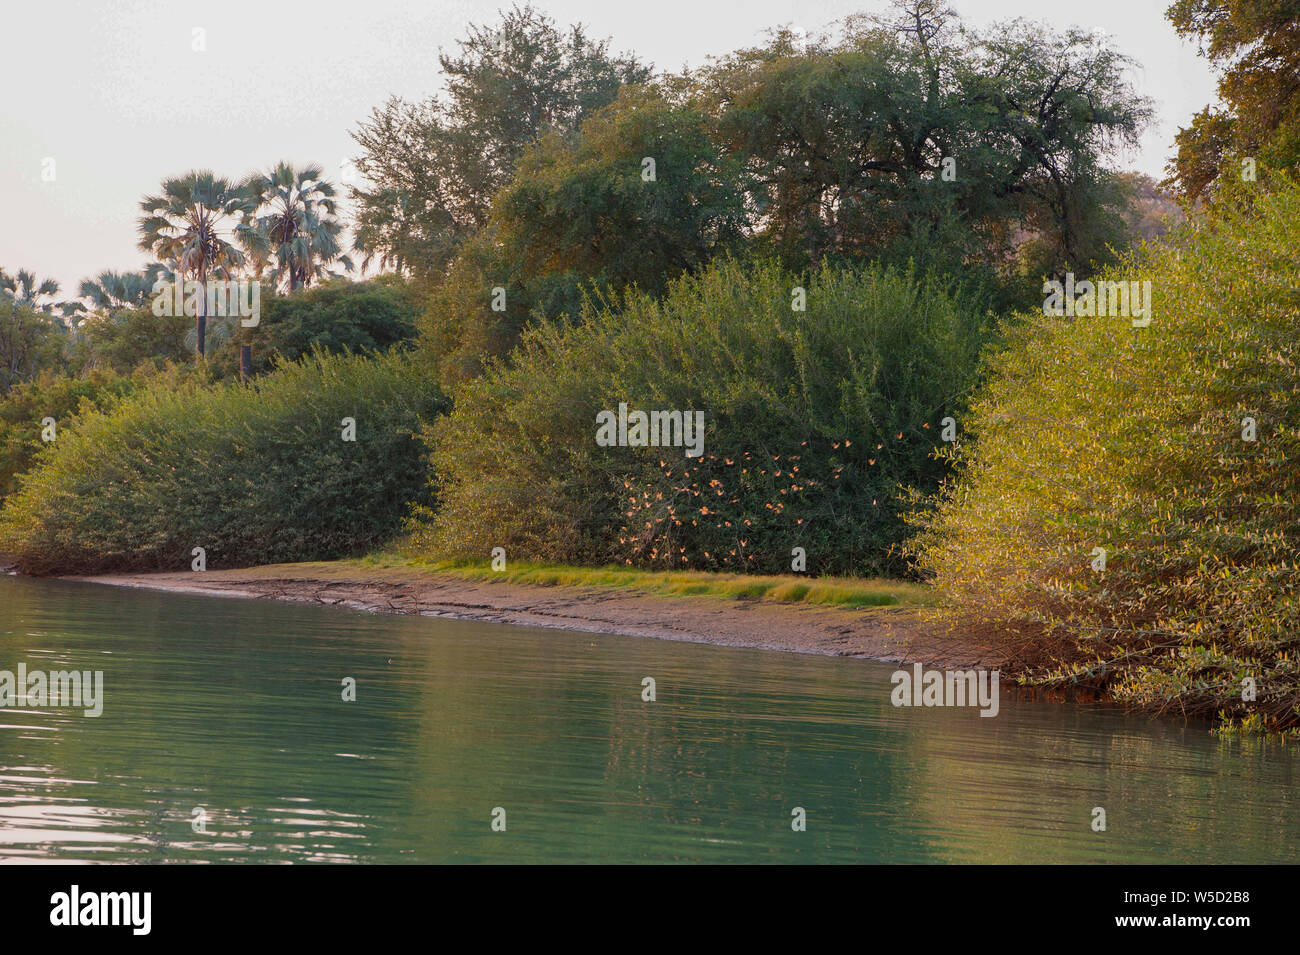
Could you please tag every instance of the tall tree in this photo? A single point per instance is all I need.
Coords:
(300, 220)
(24, 288)
(204, 224)
(432, 168)
(1255, 47)
(912, 137)
(29, 342)
(592, 204)
(588, 215)
(110, 292)
(906, 139)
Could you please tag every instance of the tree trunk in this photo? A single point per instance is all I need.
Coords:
(246, 362)
(201, 326)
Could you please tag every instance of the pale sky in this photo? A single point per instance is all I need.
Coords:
(113, 92)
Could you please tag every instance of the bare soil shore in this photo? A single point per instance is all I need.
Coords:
(880, 633)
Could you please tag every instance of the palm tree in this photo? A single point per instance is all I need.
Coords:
(111, 292)
(204, 224)
(70, 315)
(24, 289)
(38, 295)
(301, 224)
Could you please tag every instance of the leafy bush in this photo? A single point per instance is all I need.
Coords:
(336, 317)
(578, 217)
(48, 396)
(253, 474)
(812, 421)
(132, 338)
(29, 342)
(1093, 433)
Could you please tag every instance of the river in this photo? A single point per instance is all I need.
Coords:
(225, 737)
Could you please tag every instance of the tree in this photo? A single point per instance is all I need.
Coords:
(826, 150)
(335, 316)
(432, 168)
(110, 292)
(125, 339)
(587, 214)
(1255, 46)
(204, 224)
(300, 222)
(639, 197)
(33, 336)
(23, 288)
(912, 138)
(53, 395)
(1123, 211)
(29, 341)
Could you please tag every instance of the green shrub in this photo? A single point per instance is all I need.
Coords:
(134, 338)
(337, 316)
(30, 342)
(1093, 433)
(578, 220)
(812, 421)
(48, 395)
(253, 474)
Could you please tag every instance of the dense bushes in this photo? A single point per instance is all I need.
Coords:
(133, 338)
(1097, 434)
(335, 317)
(812, 419)
(253, 474)
(48, 395)
(30, 342)
(579, 218)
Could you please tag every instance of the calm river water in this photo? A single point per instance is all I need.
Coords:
(226, 715)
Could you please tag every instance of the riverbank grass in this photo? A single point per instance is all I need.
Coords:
(788, 588)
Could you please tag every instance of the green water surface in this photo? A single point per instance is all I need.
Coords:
(235, 707)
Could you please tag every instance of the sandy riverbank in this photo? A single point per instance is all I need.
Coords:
(881, 633)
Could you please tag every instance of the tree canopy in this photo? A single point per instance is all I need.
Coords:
(1255, 46)
(433, 167)
(979, 155)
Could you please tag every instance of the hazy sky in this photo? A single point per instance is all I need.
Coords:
(113, 92)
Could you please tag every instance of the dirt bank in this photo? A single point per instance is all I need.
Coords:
(889, 634)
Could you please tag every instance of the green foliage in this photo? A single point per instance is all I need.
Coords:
(580, 217)
(338, 316)
(110, 291)
(1122, 211)
(1255, 46)
(23, 288)
(203, 224)
(129, 338)
(1093, 433)
(29, 342)
(836, 150)
(587, 207)
(432, 168)
(253, 474)
(49, 395)
(846, 138)
(812, 421)
(299, 217)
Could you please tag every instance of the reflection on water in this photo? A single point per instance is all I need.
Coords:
(226, 716)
